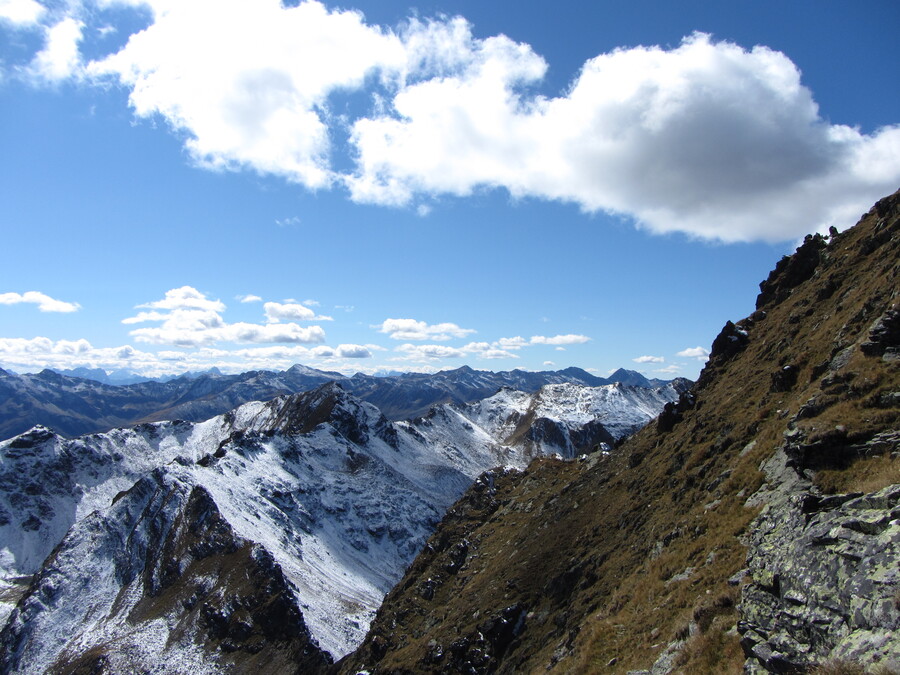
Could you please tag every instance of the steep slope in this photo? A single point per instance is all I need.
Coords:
(338, 497)
(710, 537)
(159, 582)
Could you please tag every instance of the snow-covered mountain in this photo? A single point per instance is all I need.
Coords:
(336, 497)
(78, 405)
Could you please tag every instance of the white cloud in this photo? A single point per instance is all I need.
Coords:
(497, 354)
(21, 12)
(44, 302)
(60, 58)
(276, 311)
(410, 329)
(185, 330)
(190, 319)
(449, 134)
(249, 298)
(353, 352)
(188, 298)
(486, 350)
(669, 370)
(559, 340)
(429, 352)
(512, 343)
(707, 138)
(549, 363)
(41, 352)
(255, 95)
(698, 353)
(649, 359)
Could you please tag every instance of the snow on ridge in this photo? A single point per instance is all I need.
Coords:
(343, 508)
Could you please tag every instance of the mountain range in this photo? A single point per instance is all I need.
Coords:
(752, 527)
(77, 405)
(318, 485)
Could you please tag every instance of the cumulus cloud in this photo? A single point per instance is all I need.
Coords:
(487, 350)
(44, 302)
(276, 311)
(673, 369)
(352, 352)
(255, 96)
(189, 319)
(186, 298)
(249, 298)
(429, 352)
(649, 359)
(698, 353)
(41, 352)
(708, 138)
(559, 340)
(60, 58)
(512, 343)
(21, 13)
(410, 329)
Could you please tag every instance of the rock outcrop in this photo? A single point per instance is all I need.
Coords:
(824, 582)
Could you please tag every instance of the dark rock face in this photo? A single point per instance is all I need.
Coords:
(824, 581)
(884, 337)
(791, 271)
(729, 342)
(162, 555)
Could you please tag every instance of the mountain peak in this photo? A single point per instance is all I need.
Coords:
(630, 377)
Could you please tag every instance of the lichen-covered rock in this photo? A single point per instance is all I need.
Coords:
(824, 582)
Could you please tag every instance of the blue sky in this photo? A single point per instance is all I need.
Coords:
(389, 186)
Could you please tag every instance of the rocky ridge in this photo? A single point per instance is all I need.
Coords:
(753, 526)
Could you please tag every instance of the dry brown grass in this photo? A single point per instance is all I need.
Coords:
(714, 652)
(865, 475)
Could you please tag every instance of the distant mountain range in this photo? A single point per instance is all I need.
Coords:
(73, 405)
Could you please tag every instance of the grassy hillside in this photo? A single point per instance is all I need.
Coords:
(600, 564)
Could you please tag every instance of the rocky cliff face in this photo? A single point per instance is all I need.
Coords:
(753, 525)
